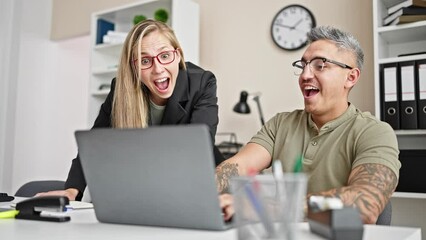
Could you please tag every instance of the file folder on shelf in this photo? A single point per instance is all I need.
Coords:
(421, 93)
(389, 94)
(103, 27)
(408, 101)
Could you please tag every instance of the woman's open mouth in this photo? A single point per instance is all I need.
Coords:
(162, 84)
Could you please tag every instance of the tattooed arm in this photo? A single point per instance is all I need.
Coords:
(370, 187)
(224, 172)
(252, 156)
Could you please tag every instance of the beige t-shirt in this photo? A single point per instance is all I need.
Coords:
(331, 153)
(157, 113)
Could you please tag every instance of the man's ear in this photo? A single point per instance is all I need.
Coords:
(352, 77)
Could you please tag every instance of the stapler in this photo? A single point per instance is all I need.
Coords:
(5, 198)
(32, 208)
(328, 217)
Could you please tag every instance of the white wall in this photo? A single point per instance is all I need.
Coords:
(51, 98)
(236, 45)
(9, 14)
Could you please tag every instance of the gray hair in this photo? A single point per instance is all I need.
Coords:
(343, 40)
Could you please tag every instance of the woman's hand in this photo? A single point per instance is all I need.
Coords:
(70, 193)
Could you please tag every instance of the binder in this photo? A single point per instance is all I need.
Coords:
(408, 101)
(389, 94)
(103, 27)
(421, 93)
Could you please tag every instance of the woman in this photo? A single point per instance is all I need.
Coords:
(154, 86)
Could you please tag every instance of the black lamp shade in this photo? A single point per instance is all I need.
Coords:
(242, 106)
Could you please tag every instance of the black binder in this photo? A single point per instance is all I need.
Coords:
(408, 101)
(421, 93)
(389, 88)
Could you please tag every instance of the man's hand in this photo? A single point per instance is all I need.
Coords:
(70, 193)
(226, 203)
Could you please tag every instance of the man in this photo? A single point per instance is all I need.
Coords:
(347, 153)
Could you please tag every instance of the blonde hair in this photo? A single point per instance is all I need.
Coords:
(130, 105)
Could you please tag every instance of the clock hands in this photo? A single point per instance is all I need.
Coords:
(289, 27)
(281, 25)
(295, 25)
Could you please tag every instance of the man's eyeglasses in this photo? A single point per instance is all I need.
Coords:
(316, 65)
(164, 58)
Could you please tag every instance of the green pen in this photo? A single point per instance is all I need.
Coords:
(299, 164)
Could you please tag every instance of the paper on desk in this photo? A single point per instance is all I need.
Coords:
(79, 205)
(72, 205)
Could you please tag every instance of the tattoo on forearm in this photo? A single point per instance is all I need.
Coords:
(224, 172)
(370, 187)
(380, 176)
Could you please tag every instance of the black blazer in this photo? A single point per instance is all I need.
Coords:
(193, 100)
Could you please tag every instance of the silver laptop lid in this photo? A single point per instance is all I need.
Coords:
(157, 176)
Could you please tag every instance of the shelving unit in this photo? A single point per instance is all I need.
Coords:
(389, 42)
(183, 18)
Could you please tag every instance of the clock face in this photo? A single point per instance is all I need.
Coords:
(290, 26)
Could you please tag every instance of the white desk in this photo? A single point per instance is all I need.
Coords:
(84, 225)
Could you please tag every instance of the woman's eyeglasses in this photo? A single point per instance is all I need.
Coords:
(163, 58)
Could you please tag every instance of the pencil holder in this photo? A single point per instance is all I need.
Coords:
(268, 208)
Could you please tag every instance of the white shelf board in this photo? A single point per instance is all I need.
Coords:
(110, 71)
(402, 59)
(100, 93)
(409, 195)
(404, 32)
(416, 132)
(107, 46)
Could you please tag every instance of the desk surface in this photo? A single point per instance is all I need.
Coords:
(84, 225)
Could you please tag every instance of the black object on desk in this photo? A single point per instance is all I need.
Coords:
(31, 208)
(5, 198)
(230, 147)
(337, 224)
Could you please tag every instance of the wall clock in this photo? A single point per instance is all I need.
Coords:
(290, 26)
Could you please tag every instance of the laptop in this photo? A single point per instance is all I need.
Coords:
(157, 176)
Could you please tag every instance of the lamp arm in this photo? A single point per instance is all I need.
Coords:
(256, 98)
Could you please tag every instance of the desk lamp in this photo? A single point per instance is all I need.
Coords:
(243, 107)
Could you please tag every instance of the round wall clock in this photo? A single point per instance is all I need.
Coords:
(290, 26)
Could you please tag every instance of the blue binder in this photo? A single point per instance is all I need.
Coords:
(103, 27)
